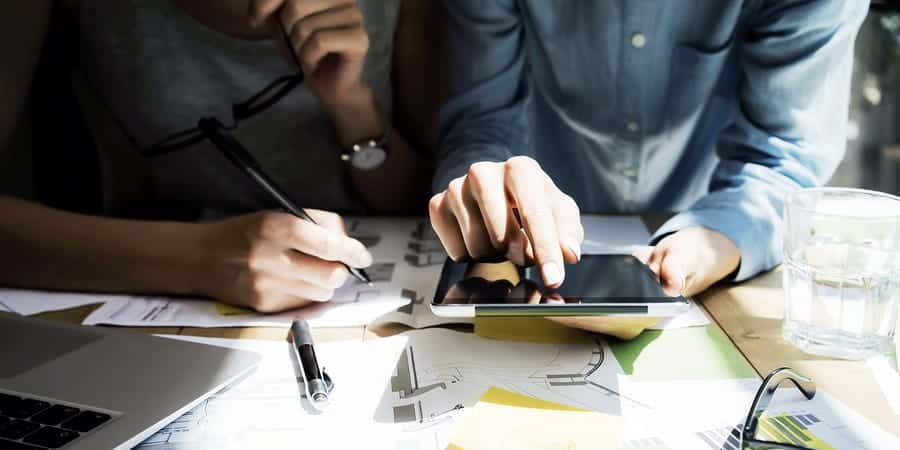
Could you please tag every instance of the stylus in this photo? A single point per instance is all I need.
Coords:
(313, 376)
(240, 157)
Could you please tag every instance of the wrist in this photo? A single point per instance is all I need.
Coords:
(355, 115)
(727, 253)
(182, 258)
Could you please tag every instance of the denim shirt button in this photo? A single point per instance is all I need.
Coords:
(638, 40)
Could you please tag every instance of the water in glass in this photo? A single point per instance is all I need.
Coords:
(841, 271)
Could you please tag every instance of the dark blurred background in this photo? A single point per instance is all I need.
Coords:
(61, 170)
(873, 145)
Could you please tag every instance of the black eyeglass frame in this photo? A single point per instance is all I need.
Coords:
(764, 395)
(259, 102)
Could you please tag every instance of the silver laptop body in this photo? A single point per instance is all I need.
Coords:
(101, 388)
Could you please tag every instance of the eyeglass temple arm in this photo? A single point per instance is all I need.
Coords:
(767, 392)
(247, 108)
(175, 142)
(285, 84)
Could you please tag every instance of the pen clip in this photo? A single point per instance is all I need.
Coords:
(329, 384)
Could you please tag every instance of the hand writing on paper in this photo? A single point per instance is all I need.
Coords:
(686, 262)
(327, 36)
(273, 261)
(474, 217)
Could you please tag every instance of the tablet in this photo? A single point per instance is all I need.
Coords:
(599, 285)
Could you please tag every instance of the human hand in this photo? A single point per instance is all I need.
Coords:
(474, 217)
(691, 260)
(686, 262)
(273, 261)
(329, 40)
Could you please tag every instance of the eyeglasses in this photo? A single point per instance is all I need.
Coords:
(210, 127)
(271, 94)
(748, 432)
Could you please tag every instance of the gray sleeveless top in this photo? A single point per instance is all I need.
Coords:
(158, 70)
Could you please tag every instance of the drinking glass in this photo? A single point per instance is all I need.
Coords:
(841, 267)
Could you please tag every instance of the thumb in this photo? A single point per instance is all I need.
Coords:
(675, 275)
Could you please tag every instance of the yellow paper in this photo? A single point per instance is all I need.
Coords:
(230, 310)
(500, 396)
(504, 420)
(528, 329)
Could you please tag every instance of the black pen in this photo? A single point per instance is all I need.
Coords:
(240, 157)
(314, 379)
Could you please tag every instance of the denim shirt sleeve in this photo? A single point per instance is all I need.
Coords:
(483, 119)
(789, 129)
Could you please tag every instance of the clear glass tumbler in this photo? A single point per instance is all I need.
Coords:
(841, 271)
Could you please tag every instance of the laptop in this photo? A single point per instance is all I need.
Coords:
(73, 387)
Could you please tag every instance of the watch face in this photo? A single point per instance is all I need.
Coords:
(368, 158)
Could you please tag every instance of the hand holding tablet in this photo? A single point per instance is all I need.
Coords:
(599, 285)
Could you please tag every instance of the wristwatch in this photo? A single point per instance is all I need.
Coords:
(369, 154)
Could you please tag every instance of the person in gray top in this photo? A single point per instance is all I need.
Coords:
(148, 69)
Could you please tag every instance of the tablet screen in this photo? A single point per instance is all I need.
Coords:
(595, 279)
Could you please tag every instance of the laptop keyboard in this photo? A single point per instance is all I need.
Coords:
(29, 424)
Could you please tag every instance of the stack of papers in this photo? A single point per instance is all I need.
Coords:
(29, 303)
(418, 390)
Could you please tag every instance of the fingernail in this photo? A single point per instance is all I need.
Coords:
(574, 247)
(552, 273)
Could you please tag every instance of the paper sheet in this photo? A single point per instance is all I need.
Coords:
(29, 302)
(505, 420)
(696, 353)
(884, 369)
(529, 329)
(539, 329)
(401, 392)
(265, 410)
(694, 317)
(704, 415)
(408, 391)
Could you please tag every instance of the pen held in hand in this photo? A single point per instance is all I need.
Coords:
(243, 160)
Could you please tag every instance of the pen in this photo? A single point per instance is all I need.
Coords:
(313, 377)
(240, 157)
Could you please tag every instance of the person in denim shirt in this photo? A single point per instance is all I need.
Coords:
(713, 108)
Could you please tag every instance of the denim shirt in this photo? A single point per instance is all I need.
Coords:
(714, 108)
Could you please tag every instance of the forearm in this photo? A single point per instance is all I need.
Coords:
(47, 248)
(789, 131)
(483, 118)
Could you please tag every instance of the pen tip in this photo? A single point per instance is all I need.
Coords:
(370, 284)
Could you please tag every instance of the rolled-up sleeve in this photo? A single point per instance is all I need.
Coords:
(789, 130)
(483, 119)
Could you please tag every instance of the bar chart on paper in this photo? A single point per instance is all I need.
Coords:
(708, 415)
(794, 429)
